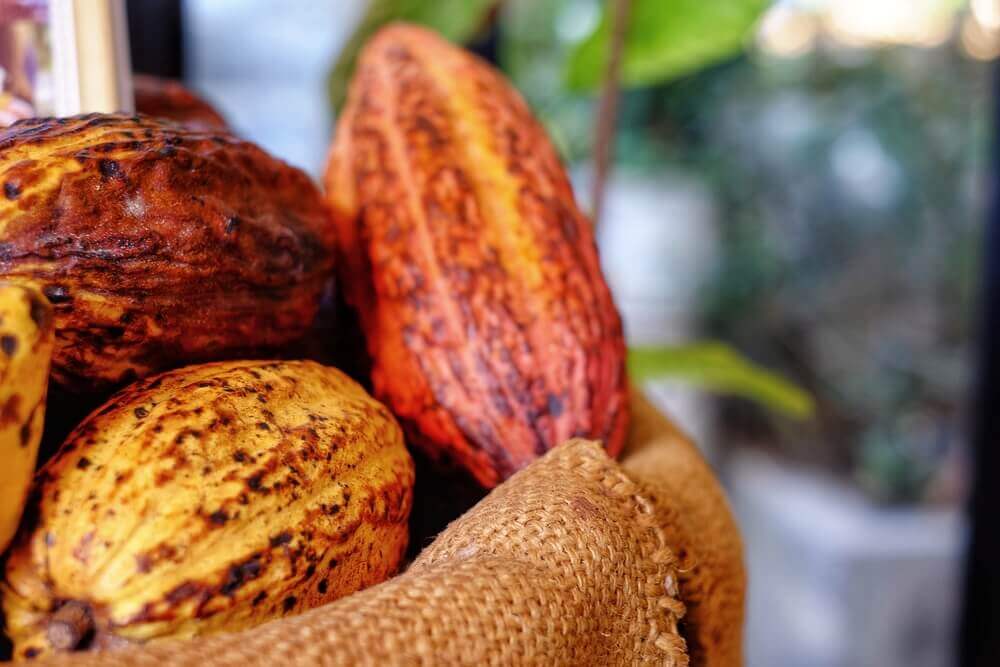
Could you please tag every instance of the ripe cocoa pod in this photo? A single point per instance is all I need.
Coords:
(158, 245)
(209, 498)
(166, 98)
(25, 353)
(493, 334)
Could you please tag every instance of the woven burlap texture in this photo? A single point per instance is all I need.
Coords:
(573, 561)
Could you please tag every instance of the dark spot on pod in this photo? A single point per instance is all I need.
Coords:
(57, 294)
(263, 426)
(8, 414)
(25, 433)
(194, 433)
(281, 539)
(240, 456)
(288, 603)
(39, 312)
(323, 586)
(240, 574)
(167, 151)
(333, 563)
(255, 482)
(83, 463)
(31, 652)
(218, 517)
(110, 169)
(11, 190)
(141, 413)
(232, 224)
(143, 563)
(310, 571)
(257, 599)
(186, 590)
(244, 499)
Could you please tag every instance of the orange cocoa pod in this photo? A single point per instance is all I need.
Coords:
(492, 332)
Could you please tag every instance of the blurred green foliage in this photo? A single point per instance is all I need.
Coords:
(666, 39)
(849, 187)
(718, 367)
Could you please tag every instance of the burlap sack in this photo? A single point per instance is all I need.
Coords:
(576, 560)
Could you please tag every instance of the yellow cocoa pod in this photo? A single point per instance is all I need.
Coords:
(25, 352)
(210, 498)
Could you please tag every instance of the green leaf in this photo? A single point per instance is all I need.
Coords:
(455, 20)
(718, 367)
(666, 39)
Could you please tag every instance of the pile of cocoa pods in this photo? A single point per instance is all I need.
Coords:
(173, 286)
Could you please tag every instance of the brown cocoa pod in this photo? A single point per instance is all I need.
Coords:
(166, 98)
(157, 244)
(493, 333)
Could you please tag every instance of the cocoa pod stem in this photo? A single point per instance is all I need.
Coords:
(607, 111)
(69, 626)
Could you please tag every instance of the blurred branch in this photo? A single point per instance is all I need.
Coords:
(607, 112)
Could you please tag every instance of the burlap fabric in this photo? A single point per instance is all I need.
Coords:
(576, 560)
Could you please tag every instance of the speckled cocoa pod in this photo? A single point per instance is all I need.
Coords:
(165, 98)
(158, 245)
(25, 352)
(493, 333)
(209, 498)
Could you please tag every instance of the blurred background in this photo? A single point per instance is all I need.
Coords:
(792, 220)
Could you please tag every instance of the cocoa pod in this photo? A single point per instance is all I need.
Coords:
(166, 98)
(157, 244)
(25, 352)
(206, 499)
(493, 334)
